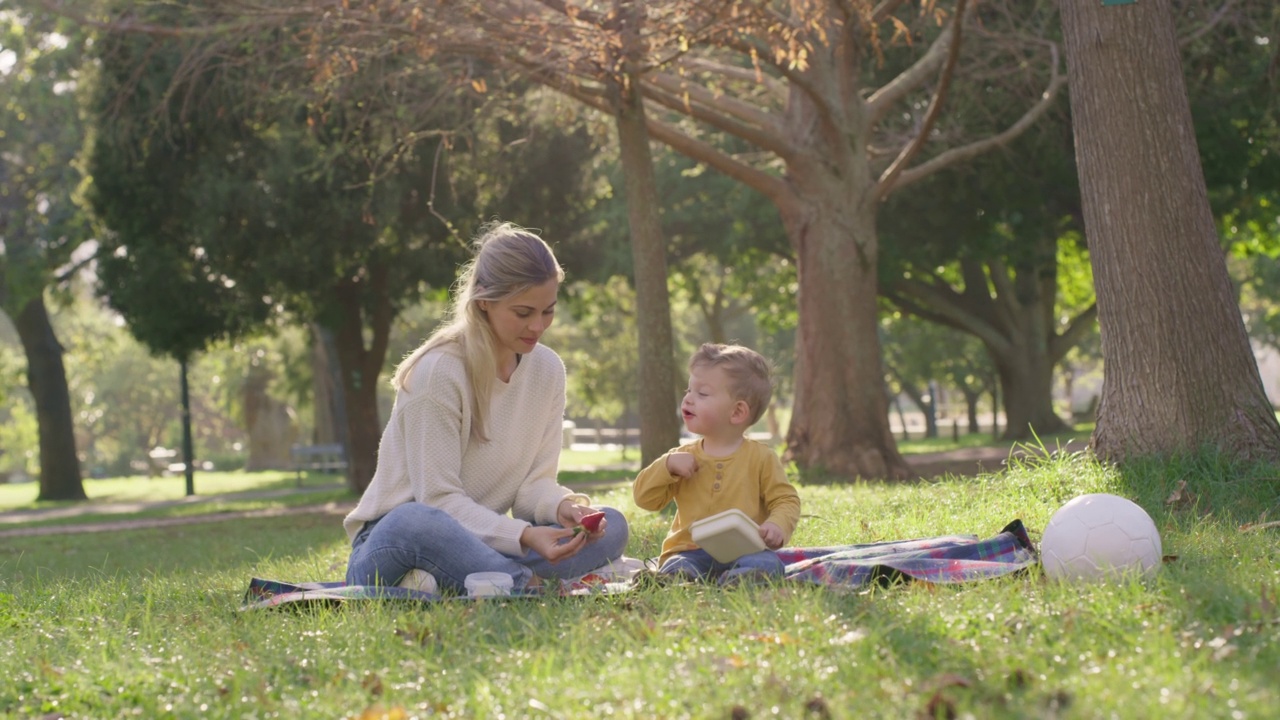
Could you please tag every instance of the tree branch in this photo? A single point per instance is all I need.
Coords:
(776, 90)
(697, 102)
(966, 152)
(770, 186)
(885, 185)
(1061, 344)
(1204, 29)
(945, 305)
(882, 100)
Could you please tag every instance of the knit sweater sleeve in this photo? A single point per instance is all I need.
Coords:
(655, 486)
(540, 495)
(437, 428)
(780, 497)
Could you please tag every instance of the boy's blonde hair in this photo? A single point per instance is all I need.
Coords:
(748, 372)
(508, 260)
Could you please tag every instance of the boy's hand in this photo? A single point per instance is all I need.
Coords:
(772, 535)
(682, 464)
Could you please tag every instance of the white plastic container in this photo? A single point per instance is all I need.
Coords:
(488, 584)
(728, 535)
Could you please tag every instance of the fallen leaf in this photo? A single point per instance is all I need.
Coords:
(817, 706)
(1181, 496)
(1249, 527)
(772, 638)
(939, 706)
(377, 712)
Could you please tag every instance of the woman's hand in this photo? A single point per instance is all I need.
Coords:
(546, 541)
(570, 514)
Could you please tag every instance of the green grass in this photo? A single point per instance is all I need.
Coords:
(160, 489)
(945, 442)
(145, 623)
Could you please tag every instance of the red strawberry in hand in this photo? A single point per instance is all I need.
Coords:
(590, 523)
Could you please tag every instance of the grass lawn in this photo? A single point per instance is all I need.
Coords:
(145, 623)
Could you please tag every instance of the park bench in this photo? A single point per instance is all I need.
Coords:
(318, 458)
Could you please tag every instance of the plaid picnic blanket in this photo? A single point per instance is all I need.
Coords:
(940, 559)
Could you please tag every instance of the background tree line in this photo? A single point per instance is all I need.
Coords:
(243, 170)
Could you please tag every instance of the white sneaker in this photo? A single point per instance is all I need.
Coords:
(420, 580)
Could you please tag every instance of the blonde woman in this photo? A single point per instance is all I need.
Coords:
(475, 434)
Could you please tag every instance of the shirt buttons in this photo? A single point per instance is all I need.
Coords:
(716, 486)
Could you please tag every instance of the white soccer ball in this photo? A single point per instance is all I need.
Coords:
(1098, 536)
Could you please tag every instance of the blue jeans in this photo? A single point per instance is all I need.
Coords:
(414, 535)
(699, 565)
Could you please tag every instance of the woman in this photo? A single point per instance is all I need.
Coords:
(475, 433)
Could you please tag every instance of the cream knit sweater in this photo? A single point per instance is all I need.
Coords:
(427, 453)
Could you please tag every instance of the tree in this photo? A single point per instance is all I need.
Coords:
(796, 82)
(40, 223)
(984, 253)
(837, 100)
(799, 86)
(1180, 374)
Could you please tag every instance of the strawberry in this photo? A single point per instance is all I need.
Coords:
(591, 523)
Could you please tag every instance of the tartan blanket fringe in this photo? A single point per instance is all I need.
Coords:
(940, 559)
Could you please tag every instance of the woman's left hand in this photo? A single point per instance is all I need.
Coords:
(570, 515)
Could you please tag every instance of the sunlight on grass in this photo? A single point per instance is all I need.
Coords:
(140, 488)
(145, 622)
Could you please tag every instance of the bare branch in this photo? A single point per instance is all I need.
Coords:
(882, 100)
(124, 24)
(890, 175)
(965, 152)
(884, 10)
(770, 186)
(1209, 25)
(938, 302)
(775, 89)
(1060, 345)
(723, 113)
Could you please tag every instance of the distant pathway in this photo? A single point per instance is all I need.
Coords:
(962, 462)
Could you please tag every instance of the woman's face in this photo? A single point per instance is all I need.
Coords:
(519, 321)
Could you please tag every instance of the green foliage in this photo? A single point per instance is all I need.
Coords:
(41, 131)
(106, 624)
(155, 265)
(601, 348)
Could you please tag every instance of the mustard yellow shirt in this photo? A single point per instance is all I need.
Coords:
(751, 479)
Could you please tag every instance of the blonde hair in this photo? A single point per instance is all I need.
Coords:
(507, 261)
(748, 372)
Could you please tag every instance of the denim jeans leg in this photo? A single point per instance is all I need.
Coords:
(414, 535)
(765, 562)
(694, 564)
(595, 554)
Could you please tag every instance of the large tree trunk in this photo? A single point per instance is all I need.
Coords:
(840, 422)
(1026, 377)
(360, 367)
(659, 422)
(326, 388)
(47, 377)
(1179, 374)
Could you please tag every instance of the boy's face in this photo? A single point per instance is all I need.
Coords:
(708, 407)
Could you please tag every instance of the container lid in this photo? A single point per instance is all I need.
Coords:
(496, 579)
(728, 535)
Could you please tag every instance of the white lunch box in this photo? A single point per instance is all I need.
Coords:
(728, 535)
